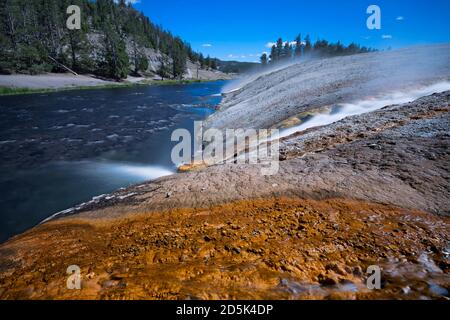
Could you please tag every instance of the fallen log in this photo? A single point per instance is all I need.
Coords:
(63, 66)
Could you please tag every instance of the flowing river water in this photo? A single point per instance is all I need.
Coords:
(61, 149)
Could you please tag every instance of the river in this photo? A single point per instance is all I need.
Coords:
(60, 149)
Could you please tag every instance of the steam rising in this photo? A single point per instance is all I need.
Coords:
(265, 99)
(364, 106)
(138, 172)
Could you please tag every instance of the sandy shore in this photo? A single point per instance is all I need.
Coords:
(50, 81)
(68, 80)
(65, 81)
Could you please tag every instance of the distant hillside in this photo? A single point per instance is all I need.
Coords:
(115, 41)
(236, 66)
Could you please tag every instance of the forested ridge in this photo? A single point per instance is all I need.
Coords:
(286, 50)
(113, 42)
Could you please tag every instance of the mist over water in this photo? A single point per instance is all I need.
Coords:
(125, 172)
(255, 73)
(349, 85)
(341, 111)
(144, 172)
(385, 69)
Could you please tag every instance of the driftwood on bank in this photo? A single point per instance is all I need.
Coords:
(63, 66)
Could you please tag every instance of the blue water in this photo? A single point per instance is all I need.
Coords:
(61, 149)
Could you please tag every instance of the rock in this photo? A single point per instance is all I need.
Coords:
(406, 290)
(357, 271)
(438, 290)
(108, 284)
(327, 280)
(119, 276)
(236, 250)
(336, 268)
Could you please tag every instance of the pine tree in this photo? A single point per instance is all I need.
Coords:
(76, 40)
(163, 70)
(6, 39)
(274, 54)
(208, 62)
(264, 59)
(179, 57)
(287, 51)
(298, 46)
(201, 60)
(279, 49)
(115, 60)
(308, 45)
(214, 64)
(141, 64)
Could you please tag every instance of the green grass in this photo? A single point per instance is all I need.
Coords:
(5, 91)
(172, 82)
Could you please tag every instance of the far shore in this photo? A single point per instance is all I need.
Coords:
(26, 84)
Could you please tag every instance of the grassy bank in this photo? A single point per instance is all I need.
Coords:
(172, 82)
(7, 91)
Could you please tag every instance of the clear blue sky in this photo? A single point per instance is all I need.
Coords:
(241, 29)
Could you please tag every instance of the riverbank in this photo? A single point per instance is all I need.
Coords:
(27, 84)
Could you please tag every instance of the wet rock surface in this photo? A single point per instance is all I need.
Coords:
(369, 190)
(398, 155)
(260, 249)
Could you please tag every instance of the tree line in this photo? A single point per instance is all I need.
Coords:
(111, 43)
(285, 50)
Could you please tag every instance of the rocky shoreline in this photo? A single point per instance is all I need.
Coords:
(370, 157)
(369, 189)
